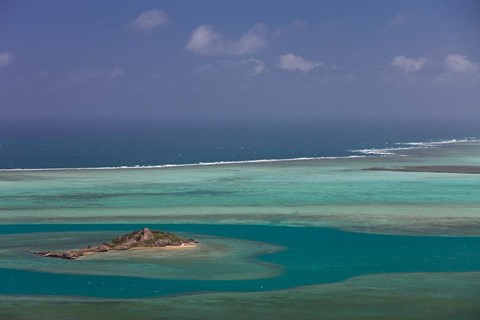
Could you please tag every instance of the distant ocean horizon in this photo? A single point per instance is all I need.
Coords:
(98, 145)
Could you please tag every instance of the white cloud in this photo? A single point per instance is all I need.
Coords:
(408, 65)
(458, 69)
(401, 18)
(150, 19)
(6, 58)
(460, 64)
(292, 62)
(259, 66)
(85, 74)
(205, 40)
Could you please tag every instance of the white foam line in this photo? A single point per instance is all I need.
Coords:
(186, 164)
(364, 153)
(412, 146)
(439, 143)
(382, 152)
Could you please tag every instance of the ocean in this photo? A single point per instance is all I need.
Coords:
(69, 144)
(291, 220)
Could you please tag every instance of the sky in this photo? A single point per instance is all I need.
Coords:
(380, 60)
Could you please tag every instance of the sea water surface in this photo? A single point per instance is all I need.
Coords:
(308, 256)
(269, 227)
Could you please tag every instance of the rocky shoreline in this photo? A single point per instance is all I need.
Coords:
(144, 238)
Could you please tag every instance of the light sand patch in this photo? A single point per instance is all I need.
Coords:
(140, 252)
(213, 258)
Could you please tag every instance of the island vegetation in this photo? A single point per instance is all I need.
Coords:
(144, 238)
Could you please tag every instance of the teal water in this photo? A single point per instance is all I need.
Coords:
(312, 256)
(319, 192)
(267, 231)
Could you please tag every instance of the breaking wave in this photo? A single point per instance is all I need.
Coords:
(361, 153)
(402, 146)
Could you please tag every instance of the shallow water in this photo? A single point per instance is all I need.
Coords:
(439, 296)
(330, 193)
(265, 229)
(311, 256)
(212, 258)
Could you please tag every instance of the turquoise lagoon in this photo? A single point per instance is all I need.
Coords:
(311, 232)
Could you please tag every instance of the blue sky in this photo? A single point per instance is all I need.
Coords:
(240, 59)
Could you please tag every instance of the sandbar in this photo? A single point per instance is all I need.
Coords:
(437, 169)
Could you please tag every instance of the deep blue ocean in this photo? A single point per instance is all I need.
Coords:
(70, 144)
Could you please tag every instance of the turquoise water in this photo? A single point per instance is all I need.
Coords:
(266, 229)
(311, 256)
(320, 192)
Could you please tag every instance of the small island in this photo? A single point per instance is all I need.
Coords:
(144, 238)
